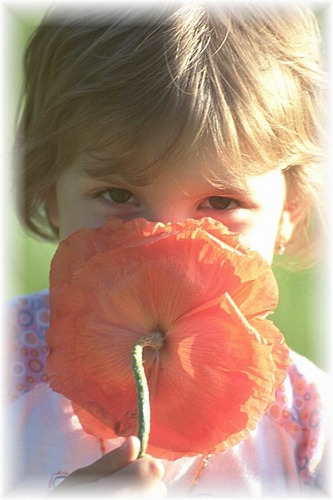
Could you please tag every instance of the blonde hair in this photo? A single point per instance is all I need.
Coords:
(244, 82)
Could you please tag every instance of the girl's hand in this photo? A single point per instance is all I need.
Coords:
(117, 474)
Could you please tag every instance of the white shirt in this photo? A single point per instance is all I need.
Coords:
(284, 455)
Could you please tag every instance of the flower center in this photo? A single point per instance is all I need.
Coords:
(154, 340)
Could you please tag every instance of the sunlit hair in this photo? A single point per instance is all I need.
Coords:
(241, 84)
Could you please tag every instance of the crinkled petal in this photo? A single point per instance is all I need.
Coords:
(208, 294)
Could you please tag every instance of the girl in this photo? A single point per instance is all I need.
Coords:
(168, 115)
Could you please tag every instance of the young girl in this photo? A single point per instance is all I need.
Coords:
(168, 115)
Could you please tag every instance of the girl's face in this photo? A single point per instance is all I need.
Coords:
(254, 208)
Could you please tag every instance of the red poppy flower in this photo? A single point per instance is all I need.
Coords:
(206, 293)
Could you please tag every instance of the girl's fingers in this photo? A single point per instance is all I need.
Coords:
(118, 473)
(106, 465)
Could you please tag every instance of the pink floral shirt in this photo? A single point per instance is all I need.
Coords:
(285, 453)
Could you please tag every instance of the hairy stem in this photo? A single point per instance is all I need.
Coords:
(143, 398)
(155, 341)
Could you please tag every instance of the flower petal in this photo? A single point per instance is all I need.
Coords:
(221, 361)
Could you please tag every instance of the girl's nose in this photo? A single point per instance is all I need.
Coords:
(171, 198)
(169, 213)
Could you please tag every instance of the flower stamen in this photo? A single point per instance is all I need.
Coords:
(154, 340)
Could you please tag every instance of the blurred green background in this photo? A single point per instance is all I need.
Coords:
(302, 311)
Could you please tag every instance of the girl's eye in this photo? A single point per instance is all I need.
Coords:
(118, 195)
(220, 202)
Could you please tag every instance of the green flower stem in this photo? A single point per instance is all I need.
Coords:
(143, 398)
(155, 341)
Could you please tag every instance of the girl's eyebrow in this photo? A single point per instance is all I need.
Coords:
(135, 175)
(98, 168)
(220, 189)
(104, 169)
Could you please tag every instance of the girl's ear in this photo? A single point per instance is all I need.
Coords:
(51, 205)
(290, 217)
